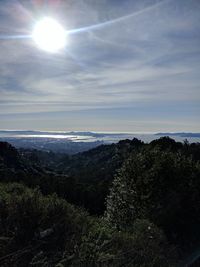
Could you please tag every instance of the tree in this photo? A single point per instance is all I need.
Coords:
(158, 185)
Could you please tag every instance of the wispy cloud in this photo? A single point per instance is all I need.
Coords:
(143, 62)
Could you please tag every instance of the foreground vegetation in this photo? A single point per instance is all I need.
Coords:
(126, 204)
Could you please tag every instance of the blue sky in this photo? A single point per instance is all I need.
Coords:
(137, 72)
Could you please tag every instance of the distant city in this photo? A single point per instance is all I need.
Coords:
(74, 142)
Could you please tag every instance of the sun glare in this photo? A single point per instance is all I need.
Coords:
(49, 35)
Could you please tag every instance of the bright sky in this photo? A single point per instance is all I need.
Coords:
(138, 71)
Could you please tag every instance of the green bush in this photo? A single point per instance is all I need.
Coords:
(32, 223)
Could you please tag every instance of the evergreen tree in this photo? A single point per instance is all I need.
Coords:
(161, 186)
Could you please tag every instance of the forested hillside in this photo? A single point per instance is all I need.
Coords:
(125, 204)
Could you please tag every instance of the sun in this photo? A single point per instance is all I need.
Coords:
(49, 35)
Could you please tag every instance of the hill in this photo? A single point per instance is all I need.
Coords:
(142, 202)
